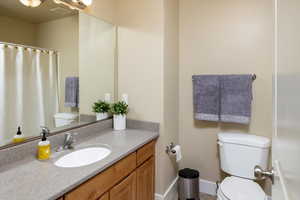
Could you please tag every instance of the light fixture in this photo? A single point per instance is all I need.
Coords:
(87, 2)
(32, 3)
(75, 4)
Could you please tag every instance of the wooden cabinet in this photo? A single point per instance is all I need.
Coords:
(97, 186)
(126, 190)
(145, 152)
(132, 178)
(104, 197)
(145, 180)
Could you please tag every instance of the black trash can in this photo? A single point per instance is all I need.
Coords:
(188, 185)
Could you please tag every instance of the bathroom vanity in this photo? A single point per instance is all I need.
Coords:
(126, 173)
(129, 179)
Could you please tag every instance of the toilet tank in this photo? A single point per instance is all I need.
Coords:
(240, 153)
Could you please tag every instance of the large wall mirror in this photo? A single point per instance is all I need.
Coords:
(55, 62)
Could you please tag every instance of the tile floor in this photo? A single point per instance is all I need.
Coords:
(207, 197)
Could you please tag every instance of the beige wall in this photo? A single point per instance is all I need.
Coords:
(104, 9)
(170, 124)
(96, 61)
(223, 37)
(148, 72)
(140, 56)
(61, 35)
(17, 31)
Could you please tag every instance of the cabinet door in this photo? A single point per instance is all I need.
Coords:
(145, 180)
(104, 197)
(98, 185)
(126, 190)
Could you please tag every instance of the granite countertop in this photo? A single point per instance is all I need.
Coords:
(30, 179)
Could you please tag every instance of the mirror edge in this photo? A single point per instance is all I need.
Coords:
(31, 139)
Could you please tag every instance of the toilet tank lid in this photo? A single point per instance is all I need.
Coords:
(67, 116)
(245, 139)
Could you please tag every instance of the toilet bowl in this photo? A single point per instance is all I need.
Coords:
(235, 188)
(239, 154)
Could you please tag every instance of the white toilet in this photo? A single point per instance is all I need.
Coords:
(64, 119)
(239, 154)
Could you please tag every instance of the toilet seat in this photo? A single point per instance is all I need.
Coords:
(234, 188)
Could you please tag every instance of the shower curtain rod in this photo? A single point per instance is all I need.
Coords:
(6, 44)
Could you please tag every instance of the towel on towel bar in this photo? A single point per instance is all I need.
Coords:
(236, 98)
(206, 97)
(72, 92)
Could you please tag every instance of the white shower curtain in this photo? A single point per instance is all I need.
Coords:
(28, 91)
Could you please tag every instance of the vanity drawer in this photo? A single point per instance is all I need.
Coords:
(97, 186)
(145, 152)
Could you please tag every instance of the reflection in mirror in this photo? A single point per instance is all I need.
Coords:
(55, 62)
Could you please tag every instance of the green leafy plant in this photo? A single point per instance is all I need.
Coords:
(119, 108)
(101, 107)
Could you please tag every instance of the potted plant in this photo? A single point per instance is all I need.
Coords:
(101, 108)
(119, 110)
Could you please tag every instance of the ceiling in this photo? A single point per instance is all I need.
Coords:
(47, 11)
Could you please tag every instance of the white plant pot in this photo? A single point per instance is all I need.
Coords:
(119, 122)
(102, 116)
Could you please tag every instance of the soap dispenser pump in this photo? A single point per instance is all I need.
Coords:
(44, 147)
(19, 137)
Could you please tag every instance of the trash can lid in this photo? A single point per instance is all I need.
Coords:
(188, 173)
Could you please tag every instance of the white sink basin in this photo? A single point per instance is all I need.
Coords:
(83, 157)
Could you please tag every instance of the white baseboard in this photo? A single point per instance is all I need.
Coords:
(205, 186)
(269, 198)
(208, 187)
(171, 193)
(159, 197)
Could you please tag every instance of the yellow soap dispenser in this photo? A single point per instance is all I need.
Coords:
(19, 137)
(44, 148)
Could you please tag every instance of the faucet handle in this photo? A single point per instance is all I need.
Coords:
(73, 138)
(71, 135)
(69, 139)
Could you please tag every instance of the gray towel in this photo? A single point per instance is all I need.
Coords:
(206, 97)
(72, 92)
(236, 97)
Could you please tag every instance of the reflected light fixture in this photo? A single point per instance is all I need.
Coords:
(75, 4)
(32, 3)
(85, 2)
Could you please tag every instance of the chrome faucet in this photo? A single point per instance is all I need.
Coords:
(68, 142)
